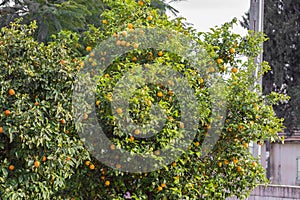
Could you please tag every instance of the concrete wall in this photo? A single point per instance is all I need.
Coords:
(283, 165)
(274, 192)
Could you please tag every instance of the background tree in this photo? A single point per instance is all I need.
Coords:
(282, 51)
(53, 16)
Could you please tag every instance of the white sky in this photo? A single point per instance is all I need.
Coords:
(205, 14)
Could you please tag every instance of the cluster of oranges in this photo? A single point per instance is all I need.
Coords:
(235, 162)
(107, 182)
(160, 188)
(7, 112)
(36, 164)
(220, 61)
(90, 165)
(11, 92)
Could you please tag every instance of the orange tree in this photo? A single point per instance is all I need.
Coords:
(45, 156)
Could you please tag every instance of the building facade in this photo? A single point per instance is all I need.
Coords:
(283, 162)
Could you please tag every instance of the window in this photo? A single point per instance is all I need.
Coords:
(298, 171)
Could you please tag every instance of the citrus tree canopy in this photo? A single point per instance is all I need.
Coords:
(199, 86)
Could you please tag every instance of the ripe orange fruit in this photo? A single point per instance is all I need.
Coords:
(112, 147)
(7, 112)
(68, 158)
(232, 50)
(159, 188)
(1, 130)
(98, 103)
(118, 166)
(159, 94)
(44, 158)
(149, 103)
(119, 111)
(208, 126)
(87, 163)
(226, 162)
(130, 26)
(63, 62)
(239, 168)
(102, 177)
(137, 131)
(197, 144)
(135, 45)
(174, 164)
(123, 43)
(240, 127)
(235, 160)
(245, 145)
(107, 183)
(149, 18)
(88, 48)
(63, 121)
(134, 59)
(36, 103)
(109, 97)
(81, 64)
(220, 61)
(254, 164)
(141, 3)
(131, 138)
(11, 167)
(104, 21)
(160, 53)
(92, 167)
(163, 185)
(37, 164)
(11, 92)
(115, 35)
(234, 70)
(92, 54)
